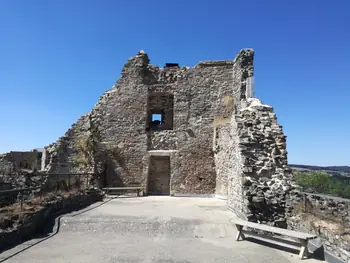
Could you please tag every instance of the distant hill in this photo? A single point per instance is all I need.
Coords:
(344, 169)
(338, 172)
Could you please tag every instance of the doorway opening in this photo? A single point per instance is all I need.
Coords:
(159, 175)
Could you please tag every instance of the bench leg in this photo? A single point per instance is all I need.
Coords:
(303, 251)
(239, 233)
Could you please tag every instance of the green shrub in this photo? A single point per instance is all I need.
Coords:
(323, 183)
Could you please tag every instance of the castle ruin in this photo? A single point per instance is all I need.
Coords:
(183, 131)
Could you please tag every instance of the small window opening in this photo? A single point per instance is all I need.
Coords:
(157, 122)
(156, 117)
(160, 111)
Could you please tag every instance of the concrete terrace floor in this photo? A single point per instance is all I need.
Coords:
(148, 229)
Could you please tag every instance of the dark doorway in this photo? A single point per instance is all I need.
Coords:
(159, 175)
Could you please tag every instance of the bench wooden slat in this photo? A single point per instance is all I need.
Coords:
(139, 189)
(286, 232)
(303, 238)
(123, 188)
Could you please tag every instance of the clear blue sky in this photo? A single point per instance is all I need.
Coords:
(58, 57)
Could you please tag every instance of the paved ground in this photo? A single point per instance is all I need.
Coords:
(148, 229)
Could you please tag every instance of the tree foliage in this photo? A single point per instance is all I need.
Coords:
(84, 146)
(323, 183)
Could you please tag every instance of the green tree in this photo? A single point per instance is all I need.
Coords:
(319, 182)
(323, 183)
(336, 188)
(346, 192)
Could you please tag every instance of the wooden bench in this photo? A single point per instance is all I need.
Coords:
(138, 189)
(302, 238)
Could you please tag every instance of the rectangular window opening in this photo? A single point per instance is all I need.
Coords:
(157, 117)
(160, 111)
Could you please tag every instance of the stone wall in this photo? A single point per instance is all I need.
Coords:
(6, 166)
(163, 140)
(250, 152)
(191, 101)
(242, 70)
(267, 178)
(253, 156)
(231, 100)
(59, 157)
(71, 153)
(17, 169)
(216, 137)
(222, 153)
(326, 216)
(16, 160)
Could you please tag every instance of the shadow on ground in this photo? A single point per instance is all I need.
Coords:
(318, 253)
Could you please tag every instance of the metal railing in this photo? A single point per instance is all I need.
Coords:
(20, 191)
(68, 181)
(54, 182)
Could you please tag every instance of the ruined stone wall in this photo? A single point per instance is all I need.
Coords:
(250, 152)
(17, 170)
(199, 97)
(163, 140)
(16, 160)
(120, 119)
(59, 157)
(255, 163)
(65, 156)
(243, 69)
(267, 178)
(326, 216)
(196, 101)
(231, 99)
(6, 166)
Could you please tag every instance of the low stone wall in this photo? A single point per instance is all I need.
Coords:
(16, 226)
(326, 216)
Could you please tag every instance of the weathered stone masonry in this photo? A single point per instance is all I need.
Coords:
(217, 138)
(213, 137)
(189, 99)
(254, 160)
(16, 160)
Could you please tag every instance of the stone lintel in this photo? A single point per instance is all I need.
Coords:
(161, 152)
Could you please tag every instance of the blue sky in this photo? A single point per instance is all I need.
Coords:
(58, 57)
